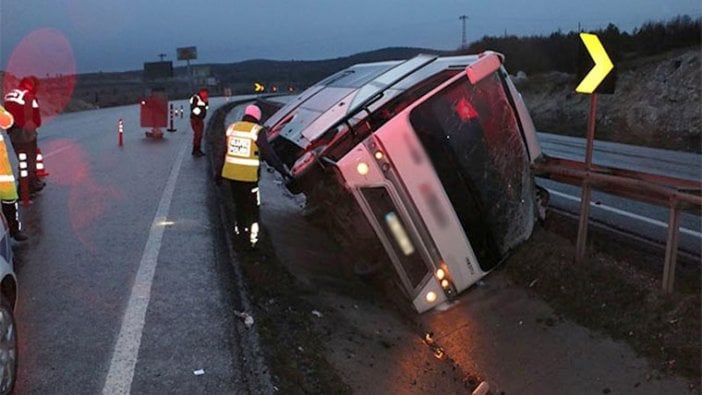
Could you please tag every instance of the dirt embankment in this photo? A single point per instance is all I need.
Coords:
(656, 103)
(616, 292)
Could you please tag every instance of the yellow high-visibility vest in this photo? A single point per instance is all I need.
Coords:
(8, 187)
(242, 161)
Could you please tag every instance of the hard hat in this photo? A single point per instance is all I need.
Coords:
(31, 83)
(254, 111)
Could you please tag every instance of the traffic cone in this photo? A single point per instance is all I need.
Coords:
(41, 171)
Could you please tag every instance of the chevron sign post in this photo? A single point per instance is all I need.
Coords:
(591, 84)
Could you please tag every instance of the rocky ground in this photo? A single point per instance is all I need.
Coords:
(656, 103)
(617, 292)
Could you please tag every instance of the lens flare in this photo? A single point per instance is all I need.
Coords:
(46, 54)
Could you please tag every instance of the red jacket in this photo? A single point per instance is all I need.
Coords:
(24, 107)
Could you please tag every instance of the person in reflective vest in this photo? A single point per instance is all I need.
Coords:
(246, 143)
(22, 103)
(8, 186)
(199, 105)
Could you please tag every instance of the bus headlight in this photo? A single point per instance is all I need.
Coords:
(442, 274)
(362, 168)
(431, 297)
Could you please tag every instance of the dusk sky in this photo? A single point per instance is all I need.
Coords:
(57, 36)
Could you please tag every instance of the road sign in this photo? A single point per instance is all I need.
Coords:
(158, 70)
(187, 53)
(603, 65)
(258, 87)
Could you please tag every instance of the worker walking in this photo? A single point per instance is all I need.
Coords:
(22, 103)
(198, 111)
(8, 185)
(246, 142)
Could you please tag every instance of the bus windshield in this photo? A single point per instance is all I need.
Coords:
(472, 137)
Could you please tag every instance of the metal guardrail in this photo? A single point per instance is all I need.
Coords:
(675, 193)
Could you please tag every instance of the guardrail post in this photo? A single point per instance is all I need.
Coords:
(581, 243)
(671, 247)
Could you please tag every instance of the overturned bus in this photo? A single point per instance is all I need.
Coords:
(426, 159)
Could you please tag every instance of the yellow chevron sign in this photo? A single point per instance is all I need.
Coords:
(603, 65)
(258, 87)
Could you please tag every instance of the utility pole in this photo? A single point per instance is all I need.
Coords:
(463, 37)
(161, 56)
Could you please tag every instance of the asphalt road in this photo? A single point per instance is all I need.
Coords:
(125, 283)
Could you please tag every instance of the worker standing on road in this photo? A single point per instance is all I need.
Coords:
(23, 105)
(198, 110)
(241, 166)
(8, 186)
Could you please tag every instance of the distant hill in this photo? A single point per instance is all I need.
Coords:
(94, 90)
(300, 73)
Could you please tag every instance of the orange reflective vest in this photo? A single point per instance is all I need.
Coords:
(241, 161)
(8, 187)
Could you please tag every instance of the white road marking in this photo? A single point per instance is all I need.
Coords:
(54, 152)
(124, 357)
(628, 214)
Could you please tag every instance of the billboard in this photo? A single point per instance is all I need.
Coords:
(187, 53)
(156, 70)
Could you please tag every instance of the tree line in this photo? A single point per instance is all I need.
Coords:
(560, 51)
